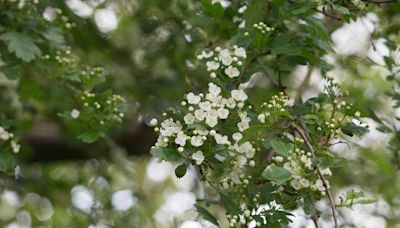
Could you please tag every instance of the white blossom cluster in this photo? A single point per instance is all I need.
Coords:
(275, 107)
(224, 62)
(198, 128)
(303, 173)
(248, 213)
(262, 27)
(108, 110)
(9, 138)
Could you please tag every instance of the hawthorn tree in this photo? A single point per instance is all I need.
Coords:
(259, 142)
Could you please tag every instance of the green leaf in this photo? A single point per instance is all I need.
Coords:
(215, 10)
(342, 10)
(277, 174)
(352, 129)
(309, 208)
(11, 72)
(90, 136)
(254, 13)
(229, 205)
(180, 171)
(166, 154)
(317, 28)
(22, 45)
(7, 162)
(206, 214)
(54, 35)
(280, 148)
(249, 132)
(285, 44)
(366, 201)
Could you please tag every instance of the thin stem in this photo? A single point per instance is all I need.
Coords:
(328, 15)
(303, 134)
(315, 216)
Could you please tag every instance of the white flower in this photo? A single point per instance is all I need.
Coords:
(202, 132)
(235, 176)
(295, 183)
(241, 161)
(196, 141)
(232, 72)
(304, 182)
(319, 185)
(212, 65)
(212, 113)
(239, 95)
(15, 146)
(211, 121)
(160, 142)
(227, 60)
(189, 118)
(278, 159)
(198, 157)
(169, 127)
(243, 126)
(221, 139)
(75, 113)
(261, 118)
(193, 99)
(206, 105)
(224, 54)
(4, 135)
(207, 55)
(231, 103)
(240, 52)
(237, 136)
(200, 114)
(181, 139)
(307, 161)
(223, 113)
(248, 149)
(326, 172)
(153, 122)
(214, 89)
(242, 114)
(225, 185)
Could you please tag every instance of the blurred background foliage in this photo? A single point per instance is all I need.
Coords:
(147, 49)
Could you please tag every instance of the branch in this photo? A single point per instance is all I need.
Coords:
(303, 134)
(328, 15)
(48, 143)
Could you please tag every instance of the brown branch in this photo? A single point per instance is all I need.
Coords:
(303, 134)
(48, 143)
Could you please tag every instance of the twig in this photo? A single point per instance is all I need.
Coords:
(314, 217)
(303, 134)
(328, 15)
